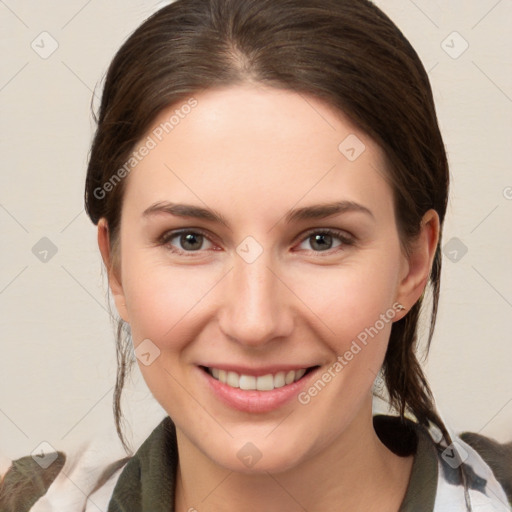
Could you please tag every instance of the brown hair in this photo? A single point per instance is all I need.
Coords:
(345, 52)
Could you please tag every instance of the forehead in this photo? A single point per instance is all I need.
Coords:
(255, 115)
(252, 144)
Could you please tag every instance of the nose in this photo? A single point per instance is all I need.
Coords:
(256, 307)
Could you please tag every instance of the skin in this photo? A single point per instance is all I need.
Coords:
(253, 153)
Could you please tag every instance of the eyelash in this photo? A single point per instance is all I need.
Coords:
(345, 240)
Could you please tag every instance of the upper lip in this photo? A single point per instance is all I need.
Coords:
(257, 372)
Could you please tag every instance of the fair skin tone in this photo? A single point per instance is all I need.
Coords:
(252, 154)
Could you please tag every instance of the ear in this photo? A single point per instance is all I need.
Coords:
(114, 281)
(418, 263)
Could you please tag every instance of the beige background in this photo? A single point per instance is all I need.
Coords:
(57, 365)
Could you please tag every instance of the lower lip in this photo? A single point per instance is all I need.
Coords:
(255, 401)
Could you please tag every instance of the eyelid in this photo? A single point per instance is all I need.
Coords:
(336, 232)
(343, 236)
(173, 233)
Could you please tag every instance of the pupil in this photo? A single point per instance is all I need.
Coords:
(322, 240)
(189, 238)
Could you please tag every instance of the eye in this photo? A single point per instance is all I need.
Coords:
(189, 241)
(322, 240)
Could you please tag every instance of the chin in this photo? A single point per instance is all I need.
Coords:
(260, 456)
(274, 464)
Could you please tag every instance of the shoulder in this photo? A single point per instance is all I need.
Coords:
(465, 477)
(68, 480)
(452, 477)
(497, 456)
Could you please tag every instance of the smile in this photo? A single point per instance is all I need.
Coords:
(266, 382)
(252, 390)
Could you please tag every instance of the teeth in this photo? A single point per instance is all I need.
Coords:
(263, 383)
(300, 373)
(279, 380)
(232, 379)
(246, 382)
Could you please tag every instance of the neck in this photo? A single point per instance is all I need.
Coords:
(356, 472)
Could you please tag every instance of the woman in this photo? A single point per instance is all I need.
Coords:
(269, 184)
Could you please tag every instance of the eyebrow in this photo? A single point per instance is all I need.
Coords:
(318, 211)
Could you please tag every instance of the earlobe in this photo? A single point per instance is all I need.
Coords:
(114, 280)
(419, 261)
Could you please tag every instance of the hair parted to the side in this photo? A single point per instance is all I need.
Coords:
(347, 53)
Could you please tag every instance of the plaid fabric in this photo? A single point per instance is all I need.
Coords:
(444, 478)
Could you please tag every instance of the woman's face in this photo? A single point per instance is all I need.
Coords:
(250, 276)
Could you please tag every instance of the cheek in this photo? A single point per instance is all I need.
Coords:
(161, 299)
(352, 298)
